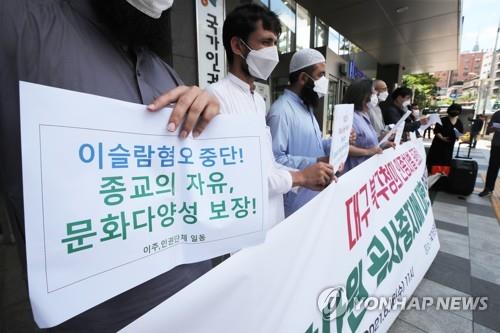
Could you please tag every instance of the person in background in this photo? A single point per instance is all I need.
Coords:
(475, 129)
(250, 34)
(107, 48)
(441, 150)
(415, 116)
(415, 111)
(427, 133)
(398, 106)
(297, 138)
(380, 96)
(366, 144)
(494, 162)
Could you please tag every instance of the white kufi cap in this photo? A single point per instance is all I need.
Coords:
(305, 58)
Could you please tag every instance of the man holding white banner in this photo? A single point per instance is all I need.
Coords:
(250, 35)
(104, 48)
(397, 107)
(297, 138)
(379, 97)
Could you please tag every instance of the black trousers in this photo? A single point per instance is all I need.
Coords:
(473, 140)
(493, 166)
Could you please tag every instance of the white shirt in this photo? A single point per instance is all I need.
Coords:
(236, 97)
(376, 118)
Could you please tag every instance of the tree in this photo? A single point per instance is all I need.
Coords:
(466, 98)
(423, 86)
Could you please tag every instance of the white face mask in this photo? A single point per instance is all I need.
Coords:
(383, 96)
(320, 86)
(374, 100)
(406, 104)
(152, 8)
(261, 63)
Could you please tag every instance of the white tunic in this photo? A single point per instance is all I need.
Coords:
(236, 97)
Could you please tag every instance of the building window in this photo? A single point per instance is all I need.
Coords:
(279, 84)
(303, 28)
(320, 34)
(345, 46)
(333, 40)
(333, 99)
(286, 12)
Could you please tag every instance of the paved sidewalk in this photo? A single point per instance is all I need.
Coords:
(468, 262)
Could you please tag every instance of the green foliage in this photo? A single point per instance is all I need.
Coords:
(423, 86)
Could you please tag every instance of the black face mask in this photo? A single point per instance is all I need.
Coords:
(132, 27)
(308, 95)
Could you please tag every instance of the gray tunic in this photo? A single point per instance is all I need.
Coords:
(60, 43)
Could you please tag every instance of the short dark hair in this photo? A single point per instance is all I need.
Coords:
(294, 77)
(358, 92)
(401, 91)
(454, 107)
(242, 21)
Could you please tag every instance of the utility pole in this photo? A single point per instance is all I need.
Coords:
(491, 78)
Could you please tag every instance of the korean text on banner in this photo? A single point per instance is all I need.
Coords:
(109, 193)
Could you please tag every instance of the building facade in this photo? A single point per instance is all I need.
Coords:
(385, 46)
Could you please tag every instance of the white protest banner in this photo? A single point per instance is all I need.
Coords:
(399, 133)
(112, 199)
(433, 118)
(353, 240)
(341, 129)
(211, 56)
(413, 136)
(394, 129)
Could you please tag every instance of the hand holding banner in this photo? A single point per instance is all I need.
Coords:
(394, 129)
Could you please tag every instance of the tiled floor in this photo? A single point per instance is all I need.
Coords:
(467, 264)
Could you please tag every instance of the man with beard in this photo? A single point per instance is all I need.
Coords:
(106, 48)
(250, 33)
(297, 138)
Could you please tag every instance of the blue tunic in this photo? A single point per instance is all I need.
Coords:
(366, 137)
(297, 141)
